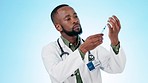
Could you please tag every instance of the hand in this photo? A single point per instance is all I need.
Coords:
(114, 28)
(91, 42)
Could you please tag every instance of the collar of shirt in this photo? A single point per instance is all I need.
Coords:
(70, 45)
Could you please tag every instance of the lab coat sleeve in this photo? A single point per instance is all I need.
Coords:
(56, 67)
(110, 62)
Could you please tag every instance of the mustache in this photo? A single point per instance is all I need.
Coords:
(76, 25)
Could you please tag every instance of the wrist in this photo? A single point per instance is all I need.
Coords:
(116, 48)
(114, 42)
(82, 49)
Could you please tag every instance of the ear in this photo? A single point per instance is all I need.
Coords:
(58, 27)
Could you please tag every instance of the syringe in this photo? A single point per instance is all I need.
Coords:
(103, 29)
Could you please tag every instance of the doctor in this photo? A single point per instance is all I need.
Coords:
(70, 59)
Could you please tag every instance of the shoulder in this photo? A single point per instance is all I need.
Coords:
(50, 46)
(51, 50)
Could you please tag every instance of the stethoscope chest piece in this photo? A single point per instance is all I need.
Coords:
(90, 56)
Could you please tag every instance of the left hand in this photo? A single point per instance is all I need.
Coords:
(114, 28)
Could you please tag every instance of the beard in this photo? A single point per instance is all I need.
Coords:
(73, 32)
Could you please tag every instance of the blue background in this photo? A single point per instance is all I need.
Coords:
(25, 27)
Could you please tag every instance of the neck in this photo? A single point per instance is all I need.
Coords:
(71, 39)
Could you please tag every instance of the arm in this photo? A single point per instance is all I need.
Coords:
(58, 68)
(115, 59)
(114, 29)
(111, 62)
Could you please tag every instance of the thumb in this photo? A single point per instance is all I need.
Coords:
(110, 28)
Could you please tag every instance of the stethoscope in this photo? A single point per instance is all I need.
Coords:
(90, 56)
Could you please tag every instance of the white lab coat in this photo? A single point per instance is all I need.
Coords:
(61, 69)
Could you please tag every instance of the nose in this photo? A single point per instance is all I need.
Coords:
(75, 20)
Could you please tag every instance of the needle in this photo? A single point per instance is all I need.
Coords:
(103, 29)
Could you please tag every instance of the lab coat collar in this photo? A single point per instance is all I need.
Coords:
(63, 44)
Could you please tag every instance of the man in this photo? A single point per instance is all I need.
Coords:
(70, 59)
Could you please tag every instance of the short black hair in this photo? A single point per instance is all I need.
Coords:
(54, 11)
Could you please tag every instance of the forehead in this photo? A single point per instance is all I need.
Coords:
(65, 11)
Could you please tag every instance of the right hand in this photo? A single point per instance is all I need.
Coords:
(91, 42)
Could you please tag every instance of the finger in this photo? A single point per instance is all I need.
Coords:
(115, 23)
(98, 43)
(118, 26)
(110, 29)
(97, 39)
(118, 22)
(96, 35)
(112, 24)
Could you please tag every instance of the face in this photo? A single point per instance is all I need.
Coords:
(68, 22)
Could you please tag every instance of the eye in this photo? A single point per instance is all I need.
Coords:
(76, 16)
(68, 19)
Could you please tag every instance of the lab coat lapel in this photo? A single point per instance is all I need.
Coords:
(65, 47)
(83, 70)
